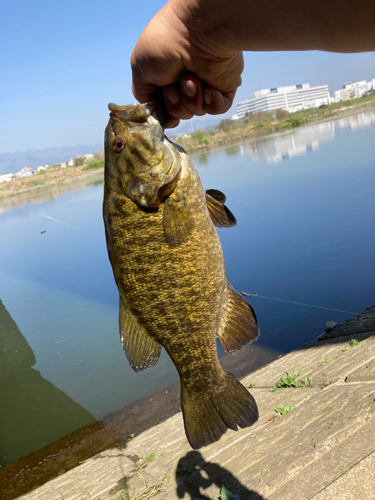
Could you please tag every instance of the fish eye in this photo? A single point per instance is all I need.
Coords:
(118, 145)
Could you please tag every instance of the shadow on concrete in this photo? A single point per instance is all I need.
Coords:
(194, 473)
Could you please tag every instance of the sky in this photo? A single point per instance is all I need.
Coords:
(63, 62)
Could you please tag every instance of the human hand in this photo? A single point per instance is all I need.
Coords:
(187, 61)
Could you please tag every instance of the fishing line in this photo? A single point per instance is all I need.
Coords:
(299, 303)
(61, 222)
(243, 293)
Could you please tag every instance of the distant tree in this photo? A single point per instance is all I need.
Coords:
(225, 124)
(198, 135)
(79, 161)
(281, 114)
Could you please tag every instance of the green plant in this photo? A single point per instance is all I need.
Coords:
(198, 135)
(291, 381)
(251, 384)
(79, 161)
(282, 410)
(353, 343)
(227, 495)
(94, 165)
(325, 361)
(150, 458)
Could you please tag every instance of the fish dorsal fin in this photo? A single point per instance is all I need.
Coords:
(220, 214)
(241, 326)
(178, 220)
(141, 350)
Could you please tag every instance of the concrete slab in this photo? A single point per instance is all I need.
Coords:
(320, 447)
(322, 361)
(358, 483)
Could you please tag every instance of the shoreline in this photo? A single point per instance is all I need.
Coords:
(326, 373)
(39, 185)
(115, 429)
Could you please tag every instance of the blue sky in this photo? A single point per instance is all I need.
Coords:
(62, 62)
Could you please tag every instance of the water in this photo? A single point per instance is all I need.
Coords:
(305, 208)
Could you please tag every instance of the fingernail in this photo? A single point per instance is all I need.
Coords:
(190, 88)
(173, 96)
(207, 96)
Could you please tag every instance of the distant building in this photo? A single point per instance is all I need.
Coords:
(6, 178)
(291, 98)
(26, 172)
(354, 90)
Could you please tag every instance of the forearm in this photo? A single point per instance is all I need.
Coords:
(254, 25)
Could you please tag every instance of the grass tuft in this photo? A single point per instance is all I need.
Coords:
(291, 381)
(282, 410)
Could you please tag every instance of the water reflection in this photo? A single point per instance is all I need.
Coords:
(356, 122)
(281, 147)
(34, 412)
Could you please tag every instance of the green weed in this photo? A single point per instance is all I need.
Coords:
(282, 410)
(150, 458)
(227, 495)
(291, 381)
(352, 344)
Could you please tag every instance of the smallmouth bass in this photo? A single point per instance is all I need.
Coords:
(169, 269)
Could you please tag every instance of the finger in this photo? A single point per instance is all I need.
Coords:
(173, 102)
(171, 122)
(192, 94)
(216, 102)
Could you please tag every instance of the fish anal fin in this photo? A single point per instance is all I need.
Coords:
(220, 214)
(178, 220)
(208, 416)
(241, 326)
(141, 350)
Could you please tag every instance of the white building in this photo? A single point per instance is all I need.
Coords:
(354, 90)
(291, 98)
(6, 178)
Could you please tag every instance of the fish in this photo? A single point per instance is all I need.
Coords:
(168, 264)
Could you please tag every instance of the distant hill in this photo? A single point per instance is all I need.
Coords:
(194, 125)
(14, 162)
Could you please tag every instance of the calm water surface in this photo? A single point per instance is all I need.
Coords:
(305, 207)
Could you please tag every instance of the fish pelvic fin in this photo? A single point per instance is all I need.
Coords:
(241, 326)
(178, 220)
(141, 350)
(220, 214)
(208, 416)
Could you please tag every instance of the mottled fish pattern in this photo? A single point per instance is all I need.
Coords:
(169, 269)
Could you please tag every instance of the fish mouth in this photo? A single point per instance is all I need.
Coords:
(139, 113)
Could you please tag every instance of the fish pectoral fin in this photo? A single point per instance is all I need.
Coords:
(178, 220)
(241, 326)
(218, 195)
(141, 350)
(220, 214)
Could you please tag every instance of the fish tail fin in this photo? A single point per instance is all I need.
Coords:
(208, 415)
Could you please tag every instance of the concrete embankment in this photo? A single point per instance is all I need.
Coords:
(323, 448)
